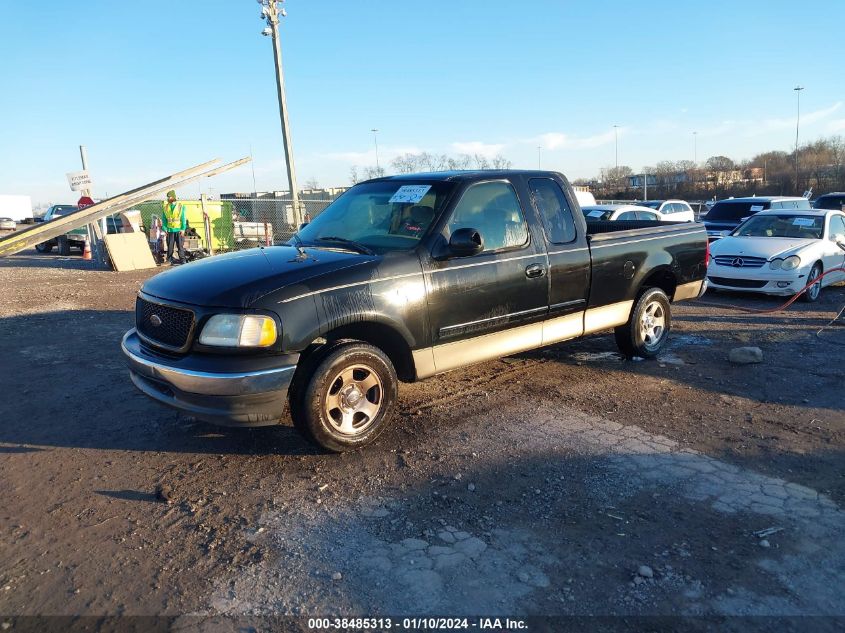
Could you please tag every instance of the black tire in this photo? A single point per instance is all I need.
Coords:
(330, 403)
(64, 245)
(642, 338)
(44, 247)
(812, 294)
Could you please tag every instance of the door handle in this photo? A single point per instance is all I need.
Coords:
(535, 270)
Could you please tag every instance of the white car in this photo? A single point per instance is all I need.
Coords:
(671, 210)
(7, 224)
(614, 212)
(779, 252)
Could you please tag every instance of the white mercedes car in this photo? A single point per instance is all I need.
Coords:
(779, 252)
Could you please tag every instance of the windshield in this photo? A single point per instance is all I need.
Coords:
(736, 209)
(595, 214)
(794, 226)
(651, 204)
(63, 209)
(830, 202)
(380, 216)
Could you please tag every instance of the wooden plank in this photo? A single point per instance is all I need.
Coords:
(129, 251)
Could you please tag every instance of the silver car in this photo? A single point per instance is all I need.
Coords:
(8, 224)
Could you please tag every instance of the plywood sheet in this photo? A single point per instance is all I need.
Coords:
(129, 251)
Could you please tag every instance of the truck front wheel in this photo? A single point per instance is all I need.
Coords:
(345, 396)
(647, 330)
(64, 245)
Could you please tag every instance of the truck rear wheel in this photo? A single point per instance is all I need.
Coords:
(44, 247)
(345, 396)
(647, 330)
(64, 245)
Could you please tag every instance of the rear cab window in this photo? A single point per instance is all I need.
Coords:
(549, 200)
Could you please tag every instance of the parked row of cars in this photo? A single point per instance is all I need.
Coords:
(776, 245)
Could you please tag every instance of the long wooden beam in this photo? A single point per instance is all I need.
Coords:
(30, 236)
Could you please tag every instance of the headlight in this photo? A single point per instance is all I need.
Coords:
(791, 263)
(775, 264)
(239, 330)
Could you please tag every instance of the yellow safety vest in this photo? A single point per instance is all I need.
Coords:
(173, 215)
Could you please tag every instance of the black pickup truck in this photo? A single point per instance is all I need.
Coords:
(402, 278)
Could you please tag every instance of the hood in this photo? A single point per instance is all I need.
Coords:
(237, 280)
(767, 247)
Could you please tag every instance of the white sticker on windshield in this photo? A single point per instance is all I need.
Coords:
(595, 214)
(409, 194)
(756, 207)
(803, 222)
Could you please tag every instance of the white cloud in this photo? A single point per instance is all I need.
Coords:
(386, 153)
(837, 125)
(477, 147)
(786, 123)
(558, 140)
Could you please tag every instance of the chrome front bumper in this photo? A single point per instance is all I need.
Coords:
(229, 390)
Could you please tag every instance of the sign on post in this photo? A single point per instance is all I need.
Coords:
(79, 180)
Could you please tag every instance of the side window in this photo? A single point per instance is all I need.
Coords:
(669, 209)
(554, 210)
(627, 215)
(493, 209)
(837, 226)
(647, 215)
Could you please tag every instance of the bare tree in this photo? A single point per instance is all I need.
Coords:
(461, 161)
(719, 163)
(500, 162)
(312, 183)
(481, 162)
(353, 175)
(373, 172)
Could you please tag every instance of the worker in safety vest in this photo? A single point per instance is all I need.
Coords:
(175, 223)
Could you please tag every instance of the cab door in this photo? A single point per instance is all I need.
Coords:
(569, 260)
(490, 304)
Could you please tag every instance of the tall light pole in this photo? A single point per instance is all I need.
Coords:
(797, 90)
(270, 12)
(616, 144)
(375, 139)
(539, 147)
(695, 148)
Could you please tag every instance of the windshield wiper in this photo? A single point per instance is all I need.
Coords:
(356, 246)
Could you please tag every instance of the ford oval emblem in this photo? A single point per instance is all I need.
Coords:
(155, 320)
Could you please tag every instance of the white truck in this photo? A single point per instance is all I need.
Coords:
(17, 208)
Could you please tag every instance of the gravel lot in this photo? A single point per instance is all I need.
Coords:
(563, 481)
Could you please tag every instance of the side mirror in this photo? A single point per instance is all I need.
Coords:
(466, 242)
(303, 225)
(840, 241)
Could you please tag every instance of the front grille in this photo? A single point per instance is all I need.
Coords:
(740, 261)
(174, 327)
(738, 283)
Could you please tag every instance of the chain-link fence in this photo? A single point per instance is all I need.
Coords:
(234, 223)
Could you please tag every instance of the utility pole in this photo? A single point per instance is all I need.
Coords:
(96, 230)
(539, 147)
(375, 140)
(270, 12)
(616, 143)
(694, 157)
(797, 90)
(645, 185)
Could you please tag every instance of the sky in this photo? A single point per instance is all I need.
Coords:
(153, 87)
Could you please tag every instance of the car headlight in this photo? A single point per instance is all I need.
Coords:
(775, 264)
(239, 330)
(791, 263)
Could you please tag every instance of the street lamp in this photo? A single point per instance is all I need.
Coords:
(695, 148)
(270, 12)
(616, 143)
(539, 147)
(797, 90)
(375, 139)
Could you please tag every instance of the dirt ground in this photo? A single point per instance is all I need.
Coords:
(562, 481)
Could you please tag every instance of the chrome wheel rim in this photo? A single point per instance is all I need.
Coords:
(816, 288)
(354, 399)
(653, 324)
